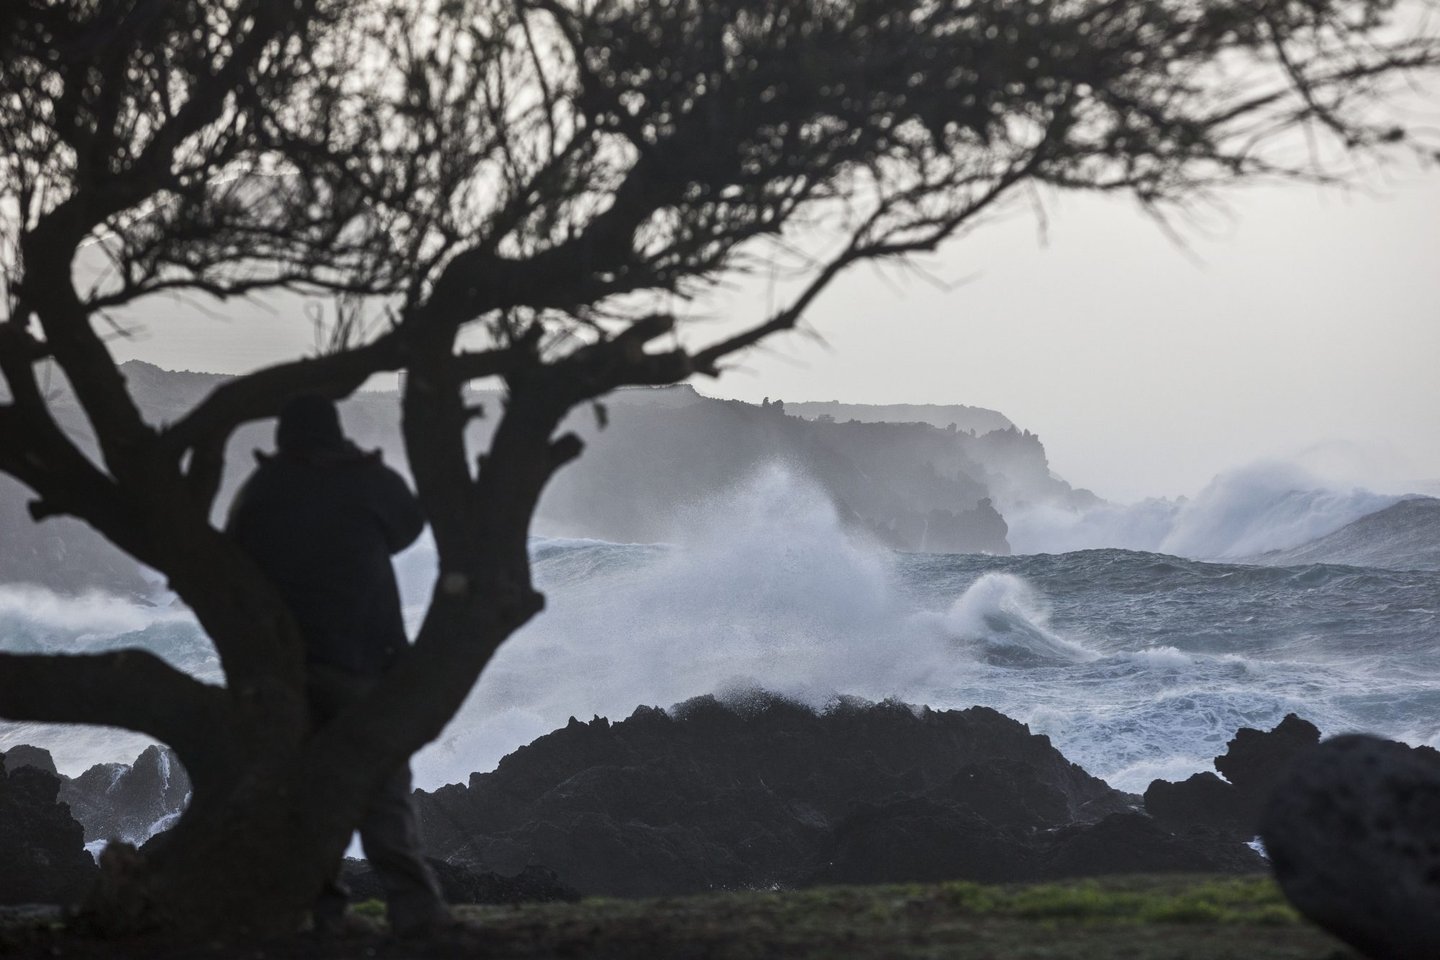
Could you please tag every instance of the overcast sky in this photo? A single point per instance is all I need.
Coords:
(1306, 321)
(1305, 317)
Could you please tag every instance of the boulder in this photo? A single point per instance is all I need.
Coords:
(1353, 835)
(42, 848)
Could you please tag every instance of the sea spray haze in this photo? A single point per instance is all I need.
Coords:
(1136, 664)
(1240, 514)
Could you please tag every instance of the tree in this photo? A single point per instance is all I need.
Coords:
(523, 190)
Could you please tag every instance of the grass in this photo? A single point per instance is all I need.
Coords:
(1121, 918)
(1247, 901)
(1145, 918)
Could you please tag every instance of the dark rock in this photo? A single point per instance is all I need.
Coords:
(533, 884)
(129, 802)
(1009, 793)
(25, 755)
(763, 791)
(1253, 762)
(1135, 843)
(1256, 761)
(42, 848)
(88, 797)
(919, 841)
(1353, 834)
(1203, 802)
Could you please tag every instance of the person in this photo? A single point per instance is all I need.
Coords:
(321, 519)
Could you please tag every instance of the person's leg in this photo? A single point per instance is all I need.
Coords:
(328, 912)
(329, 691)
(390, 835)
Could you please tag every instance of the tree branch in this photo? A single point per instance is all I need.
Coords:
(261, 394)
(35, 451)
(484, 592)
(131, 689)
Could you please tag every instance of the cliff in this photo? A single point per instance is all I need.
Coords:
(911, 484)
(976, 420)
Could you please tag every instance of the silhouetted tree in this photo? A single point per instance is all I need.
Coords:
(522, 190)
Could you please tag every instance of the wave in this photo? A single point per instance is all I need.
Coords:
(90, 613)
(1003, 620)
(1131, 662)
(1268, 505)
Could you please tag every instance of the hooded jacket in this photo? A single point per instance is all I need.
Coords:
(322, 523)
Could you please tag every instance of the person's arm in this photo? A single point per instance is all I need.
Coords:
(395, 508)
(235, 516)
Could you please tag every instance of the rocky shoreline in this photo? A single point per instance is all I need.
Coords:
(752, 793)
(764, 792)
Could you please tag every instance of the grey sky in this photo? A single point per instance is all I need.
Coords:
(1305, 317)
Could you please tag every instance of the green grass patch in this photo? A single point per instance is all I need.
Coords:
(372, 909)
(1127, 900)
(1079, 901)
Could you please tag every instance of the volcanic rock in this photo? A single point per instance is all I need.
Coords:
(1353, 834)
(1135, 843)
(1253, 763)
(916, 840)
(764, 791)
(1204, 802)
(42, 848)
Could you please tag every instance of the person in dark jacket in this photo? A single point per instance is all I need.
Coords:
(322, 518)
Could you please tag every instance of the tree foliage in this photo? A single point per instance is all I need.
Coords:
(529, 190)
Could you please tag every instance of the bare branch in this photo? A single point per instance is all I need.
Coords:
(258, 395)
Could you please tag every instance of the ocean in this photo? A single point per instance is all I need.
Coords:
(1136, 664)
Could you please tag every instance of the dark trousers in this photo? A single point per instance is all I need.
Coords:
(389, 832)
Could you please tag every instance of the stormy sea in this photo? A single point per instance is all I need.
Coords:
(1137, 664)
